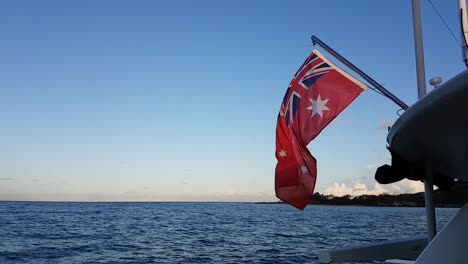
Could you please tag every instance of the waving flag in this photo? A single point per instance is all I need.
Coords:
(317, 94)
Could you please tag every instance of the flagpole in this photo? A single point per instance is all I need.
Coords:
(396, 100)
(421, 81)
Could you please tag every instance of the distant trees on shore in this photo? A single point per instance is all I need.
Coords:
(454, 198)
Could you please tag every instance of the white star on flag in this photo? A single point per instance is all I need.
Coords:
(304, 169)
(318, 106)
(282, 153)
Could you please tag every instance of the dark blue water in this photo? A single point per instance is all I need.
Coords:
(194, 232)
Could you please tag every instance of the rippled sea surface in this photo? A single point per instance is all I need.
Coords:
(36, 232)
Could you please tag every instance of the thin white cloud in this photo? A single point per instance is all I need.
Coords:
(6, 179)
(239, 196)
(407, 186)
(359, 188)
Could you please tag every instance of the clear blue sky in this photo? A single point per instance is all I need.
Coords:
(177, 100)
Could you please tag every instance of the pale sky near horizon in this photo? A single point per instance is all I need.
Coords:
(178, 100)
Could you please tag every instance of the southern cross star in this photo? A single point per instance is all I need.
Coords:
(304, 169)
(318, 106)
(282, 153)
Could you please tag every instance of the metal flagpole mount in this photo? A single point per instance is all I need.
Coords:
(385, 92)
(420, 73)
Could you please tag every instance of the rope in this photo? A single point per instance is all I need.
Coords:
(445, 23)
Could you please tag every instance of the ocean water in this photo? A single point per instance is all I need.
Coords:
(36, 232)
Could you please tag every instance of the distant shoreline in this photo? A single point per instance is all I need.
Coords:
(454, 198)
(216, 202)
(362, 205)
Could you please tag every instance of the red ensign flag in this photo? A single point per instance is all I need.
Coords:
(316, 95)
